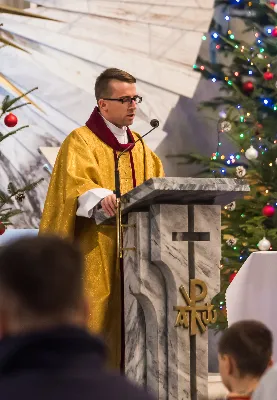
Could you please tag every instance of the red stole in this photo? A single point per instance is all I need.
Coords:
(98, 126)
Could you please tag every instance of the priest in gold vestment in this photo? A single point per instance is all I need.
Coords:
(83, 178)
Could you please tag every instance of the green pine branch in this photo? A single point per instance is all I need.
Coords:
(8, 102)
(16, 107)
(5, 217)
(3, 137)
(14, 191)
(7, 213)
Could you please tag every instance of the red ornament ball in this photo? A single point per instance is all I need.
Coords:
(2, 228)
(268, 76)
(271, 3)
(268, 210)
(248, 87)
(10, 120)
(232, 276)
(274, 32)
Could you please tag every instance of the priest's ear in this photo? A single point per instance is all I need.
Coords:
(102, 105)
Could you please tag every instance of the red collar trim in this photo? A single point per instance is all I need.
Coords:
(97, 125)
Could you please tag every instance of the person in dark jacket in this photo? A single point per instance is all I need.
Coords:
(46, 352)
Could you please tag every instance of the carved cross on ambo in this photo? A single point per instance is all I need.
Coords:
(191, 237)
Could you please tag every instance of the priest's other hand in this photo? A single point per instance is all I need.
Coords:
(109, 205)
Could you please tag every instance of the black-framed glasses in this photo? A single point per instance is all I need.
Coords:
(127, 99)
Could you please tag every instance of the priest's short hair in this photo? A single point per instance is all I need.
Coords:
(102, 87)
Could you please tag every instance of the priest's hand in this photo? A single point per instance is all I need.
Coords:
(109, 205)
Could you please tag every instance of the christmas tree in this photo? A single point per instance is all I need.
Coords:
(7, 209)
(246, 73)
(13, 194)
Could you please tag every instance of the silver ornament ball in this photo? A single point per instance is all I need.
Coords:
(251, 153)
(264, 244)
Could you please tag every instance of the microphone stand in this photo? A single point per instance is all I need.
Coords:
(119, 233)
(119, 251)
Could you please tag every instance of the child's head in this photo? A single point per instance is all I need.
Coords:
(245, 351)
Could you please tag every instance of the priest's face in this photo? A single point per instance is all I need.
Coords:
(118, 112)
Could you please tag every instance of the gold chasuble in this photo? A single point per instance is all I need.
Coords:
(86, 161)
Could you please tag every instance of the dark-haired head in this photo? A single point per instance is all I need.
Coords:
(245, 351)
(41, 285)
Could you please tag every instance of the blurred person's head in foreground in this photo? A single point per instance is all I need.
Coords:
(245, 353)
(46, 351)
(41, 286)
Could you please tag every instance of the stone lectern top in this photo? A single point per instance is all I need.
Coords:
(179, 191)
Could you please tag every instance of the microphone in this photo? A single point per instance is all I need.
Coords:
(154, 124)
